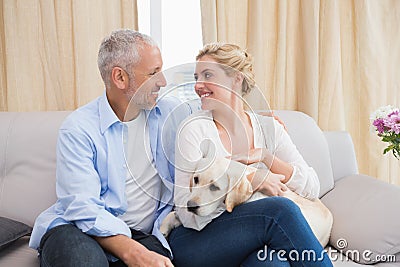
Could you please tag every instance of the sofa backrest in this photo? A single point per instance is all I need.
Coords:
(27, 163)
(28, 158)
(311, 142)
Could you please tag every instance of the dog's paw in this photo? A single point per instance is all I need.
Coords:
(165, 230)
(170, 222)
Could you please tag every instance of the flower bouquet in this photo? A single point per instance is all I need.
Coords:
(386, 122)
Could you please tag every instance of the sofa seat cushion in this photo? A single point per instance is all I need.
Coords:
(366, 218)
(11, 230)
(340, 260)
(19, 254)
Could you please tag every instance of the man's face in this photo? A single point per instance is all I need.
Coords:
(147, 78)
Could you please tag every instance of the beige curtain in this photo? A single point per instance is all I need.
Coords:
(336, 60)
(48, 50)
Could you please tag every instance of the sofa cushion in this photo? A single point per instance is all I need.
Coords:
(19, 254)
(28, 163)
(11, 230)
(366, 218)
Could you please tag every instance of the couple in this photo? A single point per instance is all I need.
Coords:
(108, 213)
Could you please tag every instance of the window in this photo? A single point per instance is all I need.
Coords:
(176, 26)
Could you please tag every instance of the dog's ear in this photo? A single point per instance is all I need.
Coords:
(208, 149)
(240, 189)
(191, 183)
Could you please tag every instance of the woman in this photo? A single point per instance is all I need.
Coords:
(267, 232)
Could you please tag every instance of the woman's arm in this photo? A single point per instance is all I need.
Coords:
(285, 160)
(275, 164)
(304, 180)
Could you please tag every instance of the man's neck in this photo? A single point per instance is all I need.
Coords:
(124, 110)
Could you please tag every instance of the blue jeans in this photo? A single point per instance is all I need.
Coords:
(66, 245)
(267, 232)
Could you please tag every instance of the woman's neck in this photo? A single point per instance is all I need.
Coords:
(234, 129)
(232, 119)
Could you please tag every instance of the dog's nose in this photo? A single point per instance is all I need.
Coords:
(192, 206)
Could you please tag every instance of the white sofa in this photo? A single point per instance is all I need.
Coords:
(365, 210)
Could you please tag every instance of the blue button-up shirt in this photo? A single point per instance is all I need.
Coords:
(91, 169)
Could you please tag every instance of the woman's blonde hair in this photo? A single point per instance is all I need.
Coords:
(232, 58)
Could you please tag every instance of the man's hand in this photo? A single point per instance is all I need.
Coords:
(131, 252)
(271, 114)
(148, 258)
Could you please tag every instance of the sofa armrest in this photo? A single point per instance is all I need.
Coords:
(366, 216)
(343, 156)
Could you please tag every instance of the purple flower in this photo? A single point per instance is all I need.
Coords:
(380, 125)
(387, 122)
(392, 122)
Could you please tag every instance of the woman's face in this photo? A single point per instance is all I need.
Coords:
(213, 85)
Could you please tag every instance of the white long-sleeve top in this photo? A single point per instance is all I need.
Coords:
(268, 133)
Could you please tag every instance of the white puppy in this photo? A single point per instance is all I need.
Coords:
(223, 180)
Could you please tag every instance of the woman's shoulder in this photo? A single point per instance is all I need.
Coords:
(201, 119)
(263, 121)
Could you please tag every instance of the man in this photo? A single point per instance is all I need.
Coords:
(109, 212)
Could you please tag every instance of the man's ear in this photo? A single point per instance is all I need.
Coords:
(240, 189)
(119, 77)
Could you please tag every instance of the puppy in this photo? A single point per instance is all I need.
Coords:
(224, 181)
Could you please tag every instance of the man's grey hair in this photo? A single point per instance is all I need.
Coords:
(120, 49)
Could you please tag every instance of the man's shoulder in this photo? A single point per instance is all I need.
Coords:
(173, 109)
(168, 101)
(171, 103)
(83, 117)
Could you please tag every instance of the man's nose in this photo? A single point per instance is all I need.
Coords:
(161, 81)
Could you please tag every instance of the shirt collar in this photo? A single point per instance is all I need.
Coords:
(107, 115)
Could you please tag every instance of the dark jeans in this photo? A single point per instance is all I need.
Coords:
(66, 245)
(267, 232)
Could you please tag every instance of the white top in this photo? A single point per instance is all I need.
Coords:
(143, 184)
(200, 126)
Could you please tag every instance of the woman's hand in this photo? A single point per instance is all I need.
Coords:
(268, 183)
